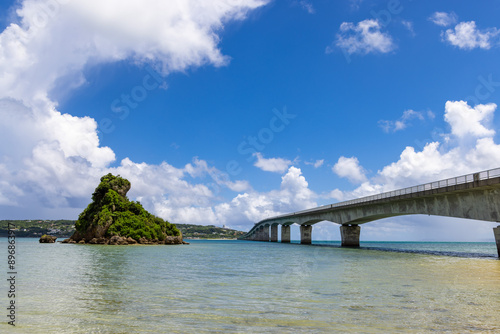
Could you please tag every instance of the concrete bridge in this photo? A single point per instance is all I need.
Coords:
(474, 196)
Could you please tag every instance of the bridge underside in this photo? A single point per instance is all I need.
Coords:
(479, 204)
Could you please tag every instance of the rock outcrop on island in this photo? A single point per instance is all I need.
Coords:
(47, 239)
(112, 219)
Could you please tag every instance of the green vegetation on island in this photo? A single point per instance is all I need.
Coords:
(34, 228)
(113, 218)
(208, 232)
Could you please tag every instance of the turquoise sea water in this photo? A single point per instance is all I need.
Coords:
(254, 287)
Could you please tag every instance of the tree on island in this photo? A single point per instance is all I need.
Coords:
(112, 218)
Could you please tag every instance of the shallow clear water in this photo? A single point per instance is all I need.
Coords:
(254, 287)
(461, 249)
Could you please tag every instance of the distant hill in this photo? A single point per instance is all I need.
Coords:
(64, 228)
(208, 232)
(38, 227)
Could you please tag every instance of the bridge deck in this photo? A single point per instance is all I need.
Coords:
(483, 180)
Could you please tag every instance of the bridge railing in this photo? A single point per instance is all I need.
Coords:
(484, 175)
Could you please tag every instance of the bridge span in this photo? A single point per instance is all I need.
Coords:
(473, 196)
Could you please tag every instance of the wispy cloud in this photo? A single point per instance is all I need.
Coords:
(409, 26)
(443, 19)
(404, 121)
(306, 5)
(355, 4)
(316, 164)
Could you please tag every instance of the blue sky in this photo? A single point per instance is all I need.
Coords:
(228, 112)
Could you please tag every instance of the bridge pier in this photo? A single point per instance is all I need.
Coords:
(260, 234)
(265, 233)
(285, 233)
(274, 233)
(350, 235)
(305, 234)
(496, 231)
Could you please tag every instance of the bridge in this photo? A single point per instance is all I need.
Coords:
(473, 196)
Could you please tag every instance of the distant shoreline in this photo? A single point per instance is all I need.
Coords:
(210, 239)
(67, 236)
(65, 228)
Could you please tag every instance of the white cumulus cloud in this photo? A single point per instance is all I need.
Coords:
(294, 194)
(55, 159)
(438, 160)
(363, 38)
(467, 36)
(277, 165)
(244, 209)
(349, 168)
(465, 120)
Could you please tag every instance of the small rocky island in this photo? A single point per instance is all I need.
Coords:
(47, 239)
(112, 219)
